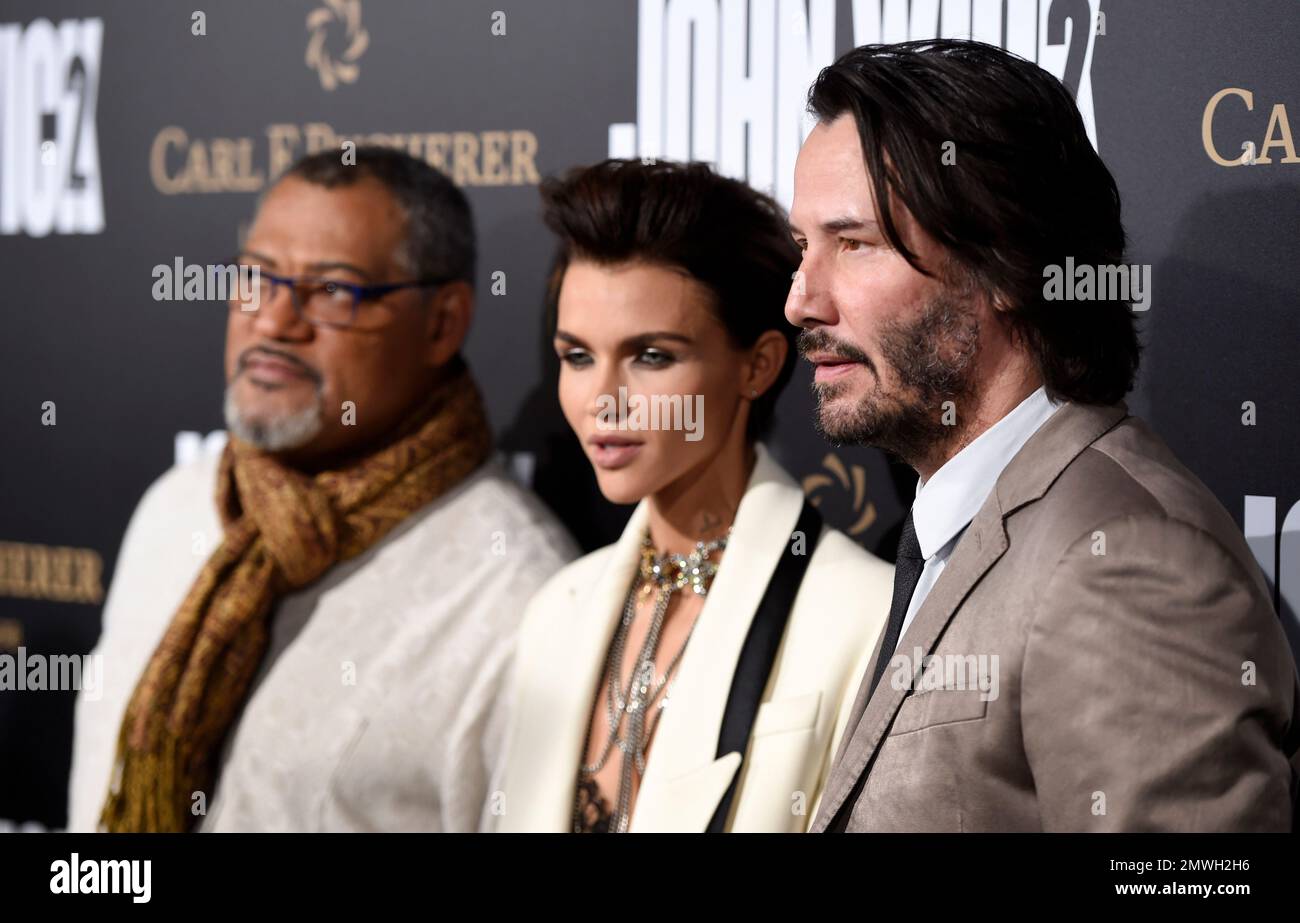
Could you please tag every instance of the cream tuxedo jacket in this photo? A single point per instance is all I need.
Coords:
(839, 610)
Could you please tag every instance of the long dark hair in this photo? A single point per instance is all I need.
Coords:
(1026, 191)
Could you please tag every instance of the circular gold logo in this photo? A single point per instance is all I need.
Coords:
(852, 487)
(333, 15)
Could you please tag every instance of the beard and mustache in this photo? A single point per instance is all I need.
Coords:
(932, 359)
(289, 430)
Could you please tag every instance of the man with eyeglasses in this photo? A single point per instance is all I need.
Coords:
(322, 648)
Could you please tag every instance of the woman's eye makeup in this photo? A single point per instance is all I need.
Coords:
(575, 357)
(651, 357)
(655, 358)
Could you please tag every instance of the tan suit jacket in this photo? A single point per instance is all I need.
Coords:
(1143, 681)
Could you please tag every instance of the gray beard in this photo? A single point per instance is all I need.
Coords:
(933, 360)
(277, 435)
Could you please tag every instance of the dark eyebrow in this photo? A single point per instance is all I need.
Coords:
(338, 264)
(645, 339)
(313, 267)
(836, 225)
(568, 338)
(641, 339)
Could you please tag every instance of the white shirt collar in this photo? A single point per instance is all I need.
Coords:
(947, 502)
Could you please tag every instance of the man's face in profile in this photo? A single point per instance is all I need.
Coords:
(287, 379)
(889, 345)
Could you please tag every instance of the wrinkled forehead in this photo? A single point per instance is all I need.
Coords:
(301, 224)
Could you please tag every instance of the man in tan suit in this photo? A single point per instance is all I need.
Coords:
(1079, 638)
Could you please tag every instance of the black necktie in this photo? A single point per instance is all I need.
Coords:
(907, 572)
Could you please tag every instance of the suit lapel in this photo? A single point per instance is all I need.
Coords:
(1026, 478)
(984, 542)
(685, 745)
(569, 668)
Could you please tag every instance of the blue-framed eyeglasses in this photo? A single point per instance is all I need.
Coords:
(319, 301)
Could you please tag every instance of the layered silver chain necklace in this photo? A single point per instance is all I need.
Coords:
(662, 575)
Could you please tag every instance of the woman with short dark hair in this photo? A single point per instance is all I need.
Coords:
(687, 677)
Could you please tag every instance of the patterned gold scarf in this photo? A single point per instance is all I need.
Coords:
(282, 530)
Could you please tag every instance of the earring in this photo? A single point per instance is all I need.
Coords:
(753, 392)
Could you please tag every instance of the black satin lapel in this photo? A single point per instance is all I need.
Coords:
(759, 653)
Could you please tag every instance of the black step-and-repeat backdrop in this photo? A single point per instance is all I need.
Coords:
(135, 135)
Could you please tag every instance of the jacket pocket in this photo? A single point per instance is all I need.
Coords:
(937, 707)
(779, 781)
(794, 713)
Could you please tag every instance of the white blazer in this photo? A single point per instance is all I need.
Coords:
(840, 609)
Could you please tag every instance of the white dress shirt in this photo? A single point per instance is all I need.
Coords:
(947, 502)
